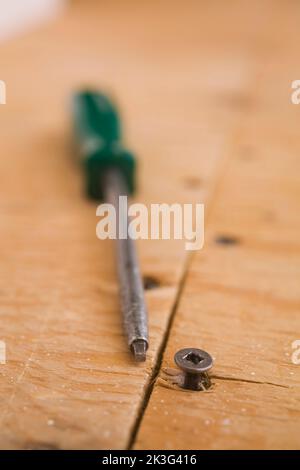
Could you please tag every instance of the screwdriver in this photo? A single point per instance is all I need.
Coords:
(109, 170)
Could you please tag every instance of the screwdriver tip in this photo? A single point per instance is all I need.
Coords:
(139, 348)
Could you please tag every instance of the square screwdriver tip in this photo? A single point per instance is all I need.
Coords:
(139, 348)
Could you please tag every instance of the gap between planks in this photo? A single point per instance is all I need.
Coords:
(157, 367)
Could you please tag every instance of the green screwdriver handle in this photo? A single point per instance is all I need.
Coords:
(98, 138)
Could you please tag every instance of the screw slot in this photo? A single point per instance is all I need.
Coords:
(194, 358)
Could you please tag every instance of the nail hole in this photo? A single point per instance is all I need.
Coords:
(194, 358)
(226, 240)
(246, 153)
(150, 282)
(269, 216)
(193, 182)
(236, 100)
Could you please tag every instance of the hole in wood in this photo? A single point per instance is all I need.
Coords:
(227, 240)
(192, 182)
(150, 282)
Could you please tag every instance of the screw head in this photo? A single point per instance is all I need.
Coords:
(193, 361)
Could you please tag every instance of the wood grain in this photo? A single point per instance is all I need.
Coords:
(241, 299)
(205, 95)
(69, 381)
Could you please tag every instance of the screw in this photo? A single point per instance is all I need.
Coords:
(194, 363)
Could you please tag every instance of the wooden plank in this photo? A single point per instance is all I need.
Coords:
(69, 381)
(241, 300)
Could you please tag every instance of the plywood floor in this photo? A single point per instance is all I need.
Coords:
(205, 92)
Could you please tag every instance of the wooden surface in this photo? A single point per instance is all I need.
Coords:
(205, 94)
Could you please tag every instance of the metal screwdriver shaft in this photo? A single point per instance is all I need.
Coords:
(131, 287)
(110, 173)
